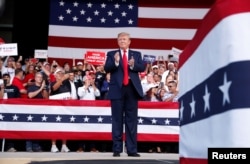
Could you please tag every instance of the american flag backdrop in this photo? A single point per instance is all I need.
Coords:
(214, 89)
(155, 26)
(82, 119)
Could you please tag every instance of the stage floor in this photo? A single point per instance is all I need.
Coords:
(86, 158)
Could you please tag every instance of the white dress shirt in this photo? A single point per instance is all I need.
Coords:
(88, 93)
(73, 91)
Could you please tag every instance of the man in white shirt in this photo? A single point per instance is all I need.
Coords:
(9, 67)
(88, 91)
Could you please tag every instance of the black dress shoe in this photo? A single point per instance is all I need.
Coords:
(116, 154)
(134, 155)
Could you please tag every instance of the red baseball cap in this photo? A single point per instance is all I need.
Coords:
(142, 74)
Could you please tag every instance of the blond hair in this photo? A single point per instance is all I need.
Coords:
(123, 33)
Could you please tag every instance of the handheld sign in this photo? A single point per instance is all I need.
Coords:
(149, 58)
(41, 54)
(9, 49)
(95, 58)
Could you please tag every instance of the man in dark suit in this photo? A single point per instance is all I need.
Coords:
(73, 85)
(124, 92)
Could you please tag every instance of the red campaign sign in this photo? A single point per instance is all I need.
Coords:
(34, 60)
(95, 58)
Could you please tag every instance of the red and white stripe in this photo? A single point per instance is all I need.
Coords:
(161, 26)
(91, 131)
(223, 38)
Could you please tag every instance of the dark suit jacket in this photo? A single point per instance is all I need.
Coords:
(117, 73)
(77, 85)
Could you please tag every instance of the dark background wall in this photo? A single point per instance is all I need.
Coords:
(25, 22)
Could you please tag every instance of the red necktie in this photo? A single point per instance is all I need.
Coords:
(125, 66)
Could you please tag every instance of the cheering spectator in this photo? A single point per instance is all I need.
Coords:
(29, 78)
(89, 91)
(151, 94)
(149, 81)
(105, 87)
(17, 81)
(73, 85)
(9, 67)
(57, 87)
(172, 95)
(100, 77)
(9, 91)
(36, 91)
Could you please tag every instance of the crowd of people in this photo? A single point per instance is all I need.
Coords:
(34, 79)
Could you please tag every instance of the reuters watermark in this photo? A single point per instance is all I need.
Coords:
(235, 155)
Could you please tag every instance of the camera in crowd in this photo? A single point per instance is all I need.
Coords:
(170, 56)
(38, 68)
